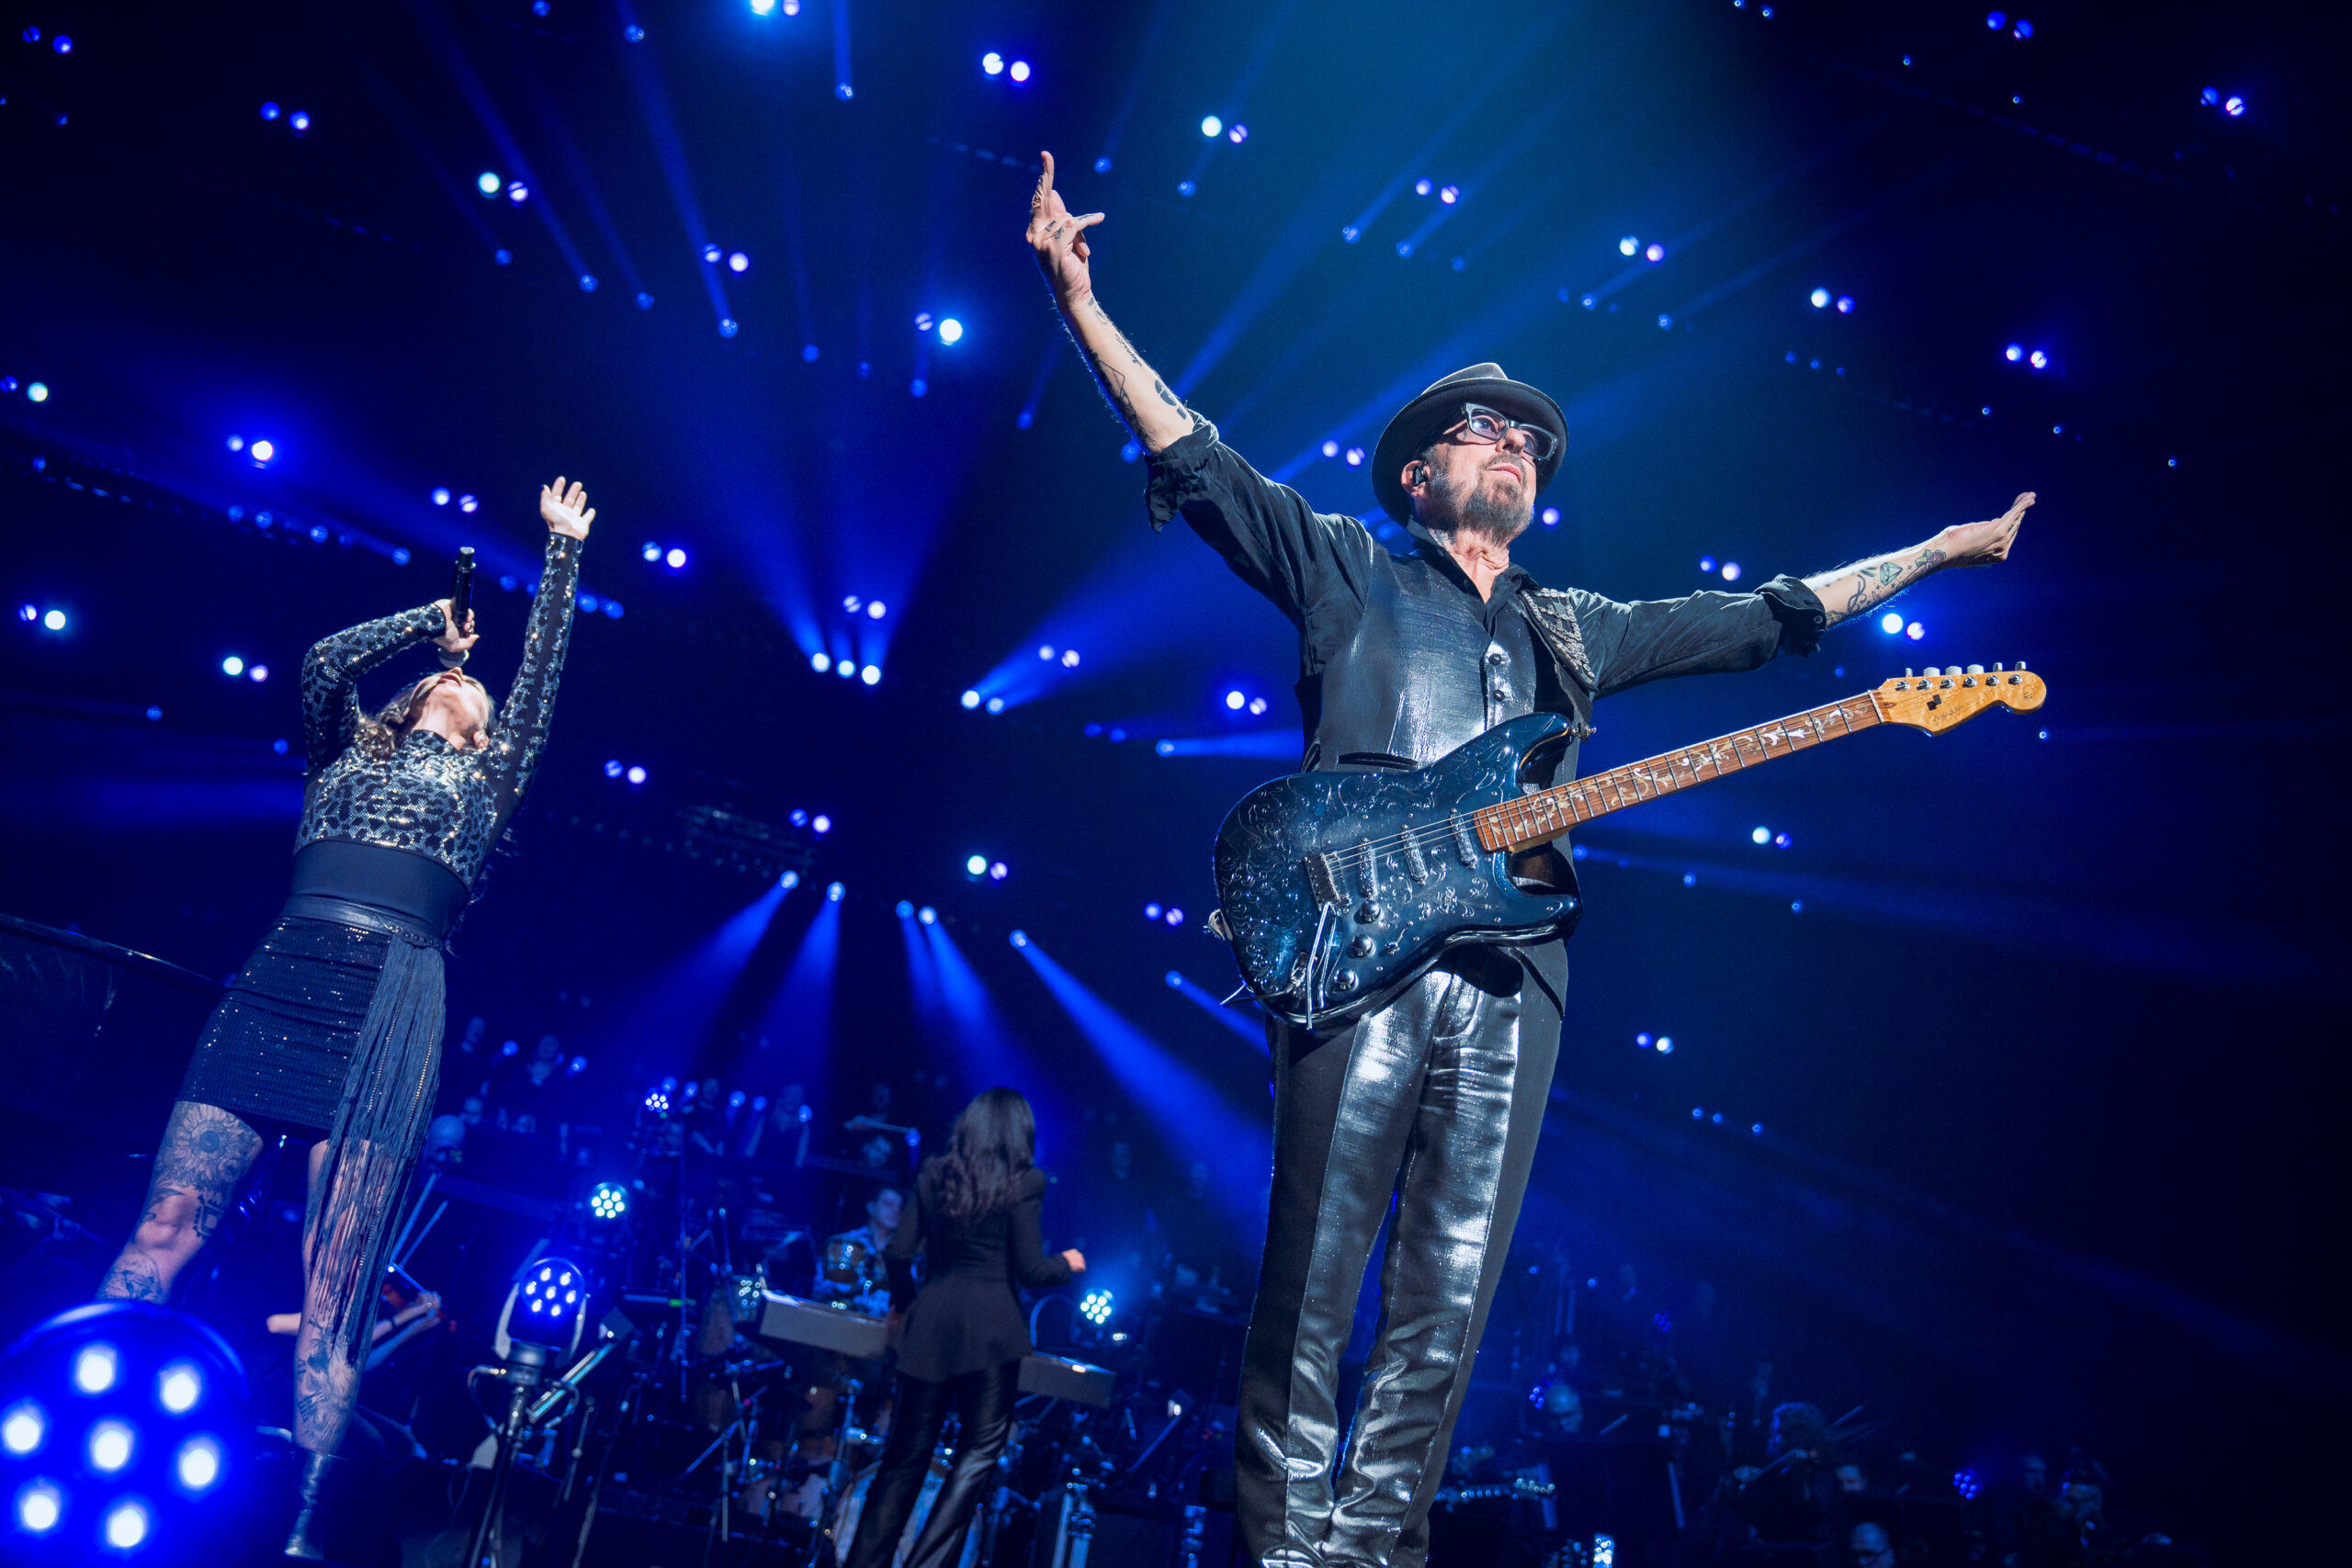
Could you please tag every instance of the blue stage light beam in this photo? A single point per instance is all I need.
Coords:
(1146, 57)
(1196, 1118)
(1270, 33)
(662, 129)
(843, 89)
(951, 999)
(1248, 1026)
(680, 1004)
(800, 1015)
(1055, 346)
(476, 97)
(460, 194)
(551, 122)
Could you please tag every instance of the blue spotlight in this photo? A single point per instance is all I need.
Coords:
(1550, 517)
(38, 1507)
(197, 1465)
(1212, 126)
(1915, 631)
(126, 1524)
(36, 392)
(53, 620)
(789, 881)
(875, 608)
(833, 891)
(1151, 911)
(951, 331)
(674, 558)
(469, 505)
(1237, 134)
(269, 110)
(1175, 917)
(1423, 185)
(636, 775)
(906, 910)
(1629, 245)
(1890, 623)
(995, 704)
(1780, 840)
(1355, 456)
(999, 871)
(1967, 1483)
(2014, 352)
(809, 353)
(1656, 252)
(927, 915)
(764, 8)
(179, 1387)
(1761, 836)
(1234, 701)
(1095, 1307)
(608, 1200)
(992, 63)
(821, 662)
(262, 451)
(1019, 939)
(976, 865)
(1018, 71)
(232, 665)
(657, 1102)
(110, 1444)
(1666, 1044)
(488, 184)
(517, 192)
(871, 674)
(299, 121)
(1731, 571)
(1450, 195)
(738, 261)
(970, 699)
(22, 1429)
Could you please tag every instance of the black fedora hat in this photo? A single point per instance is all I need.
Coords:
(1438, 409)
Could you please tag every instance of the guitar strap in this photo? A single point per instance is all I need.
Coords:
(1554, 615)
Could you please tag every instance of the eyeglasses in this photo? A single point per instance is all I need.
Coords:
(1485, 426)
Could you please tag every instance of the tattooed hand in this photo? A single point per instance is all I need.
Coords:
(1982, 544)
(1059, 241)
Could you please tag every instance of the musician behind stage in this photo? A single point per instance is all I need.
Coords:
(977, 1218)
(852, 1269)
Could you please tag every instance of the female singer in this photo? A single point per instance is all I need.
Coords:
(335, 1023)
(976, 1214)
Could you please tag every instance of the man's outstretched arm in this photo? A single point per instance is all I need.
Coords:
(1856, 589)
(1142, 399)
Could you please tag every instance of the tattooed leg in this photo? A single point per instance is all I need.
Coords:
(326, 1375)
(206, 1153)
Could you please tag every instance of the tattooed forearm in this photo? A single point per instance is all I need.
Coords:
(1856, 589)
(1118, 369)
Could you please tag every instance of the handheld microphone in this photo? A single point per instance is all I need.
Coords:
(461, 599)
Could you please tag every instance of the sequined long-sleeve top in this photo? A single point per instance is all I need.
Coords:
(430, 798)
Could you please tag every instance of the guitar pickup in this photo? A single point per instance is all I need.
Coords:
(1322, 879)
(1464, 844)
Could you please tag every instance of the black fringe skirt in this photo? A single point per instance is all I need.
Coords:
(335, 1024)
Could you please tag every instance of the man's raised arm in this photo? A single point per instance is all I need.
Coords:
(1850, 590)
(1142, 399)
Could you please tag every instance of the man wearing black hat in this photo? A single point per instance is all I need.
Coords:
(1435, 1100)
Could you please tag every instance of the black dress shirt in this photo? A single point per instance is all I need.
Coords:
(967, 1316)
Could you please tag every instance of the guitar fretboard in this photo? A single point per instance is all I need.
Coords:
(1532, 819)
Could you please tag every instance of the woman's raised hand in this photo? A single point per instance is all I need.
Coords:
(566, 512)
(1075, 1258)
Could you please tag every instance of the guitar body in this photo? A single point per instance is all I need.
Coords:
(1342, 889)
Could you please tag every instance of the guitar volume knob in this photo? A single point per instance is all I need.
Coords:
(1360, 947)
(1345, 980)
(1370, 913)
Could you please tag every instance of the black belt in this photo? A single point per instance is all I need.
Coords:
(367, 917)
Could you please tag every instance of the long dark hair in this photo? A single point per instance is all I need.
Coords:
(994, 1141)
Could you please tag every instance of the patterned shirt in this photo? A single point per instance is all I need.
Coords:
(429, 798)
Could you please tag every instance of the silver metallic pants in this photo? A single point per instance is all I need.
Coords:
(1435, 1102)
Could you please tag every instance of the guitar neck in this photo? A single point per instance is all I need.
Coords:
(1531, 819)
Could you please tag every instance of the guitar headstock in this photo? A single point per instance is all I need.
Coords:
(1938, 699)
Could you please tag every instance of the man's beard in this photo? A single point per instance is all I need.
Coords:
(1478, 513)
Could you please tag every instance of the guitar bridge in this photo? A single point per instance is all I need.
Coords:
(1322, 879)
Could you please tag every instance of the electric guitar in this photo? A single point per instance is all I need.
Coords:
(1340, 890)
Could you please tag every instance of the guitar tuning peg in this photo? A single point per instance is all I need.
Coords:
(1976, 669)
(1998, 667)
(1907, 671)
(2020, 663)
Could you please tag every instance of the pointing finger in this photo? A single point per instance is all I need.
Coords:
(1088, 222)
